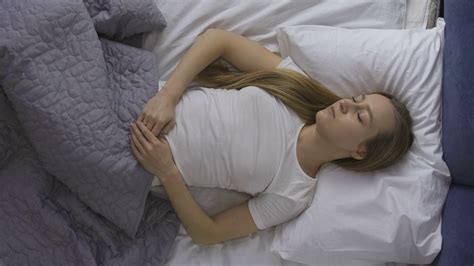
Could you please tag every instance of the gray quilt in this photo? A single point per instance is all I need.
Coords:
(71, 190)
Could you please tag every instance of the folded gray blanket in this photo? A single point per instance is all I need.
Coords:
(67, 173)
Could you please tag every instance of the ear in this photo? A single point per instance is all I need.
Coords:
(360, 153)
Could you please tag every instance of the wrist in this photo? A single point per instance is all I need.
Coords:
(171, 174)
(172, 96)
(172, 90)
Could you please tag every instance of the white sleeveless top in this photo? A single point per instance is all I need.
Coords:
(243, 140)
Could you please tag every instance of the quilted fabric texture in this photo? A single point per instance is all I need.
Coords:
(111, 21)
(41, 220)
(11, 136)
(75, 96)
(43, 223)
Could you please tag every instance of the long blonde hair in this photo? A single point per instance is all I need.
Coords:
(306, 97)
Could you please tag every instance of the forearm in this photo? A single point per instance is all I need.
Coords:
(207, 48)
(196, 222)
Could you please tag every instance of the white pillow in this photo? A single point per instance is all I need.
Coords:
(391, 215)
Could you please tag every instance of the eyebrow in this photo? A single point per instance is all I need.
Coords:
(370, 110)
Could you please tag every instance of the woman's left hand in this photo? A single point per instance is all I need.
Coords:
(153, 153)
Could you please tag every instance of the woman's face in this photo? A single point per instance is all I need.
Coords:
(355, 120)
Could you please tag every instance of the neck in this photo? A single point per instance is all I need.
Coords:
(313, 151)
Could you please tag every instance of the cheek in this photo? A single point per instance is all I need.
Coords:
(344, 133)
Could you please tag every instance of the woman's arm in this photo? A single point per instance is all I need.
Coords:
(242, 53)
(197, 223)
(155, 155)
(232, 223)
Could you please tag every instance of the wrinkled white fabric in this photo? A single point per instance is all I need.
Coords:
(258, 19)
(391, 214)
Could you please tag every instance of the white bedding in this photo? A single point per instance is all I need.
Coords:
(257, 20)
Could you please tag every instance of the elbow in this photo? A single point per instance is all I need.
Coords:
(215, 34)
(213, 30)
(209, 31)
(218, 37)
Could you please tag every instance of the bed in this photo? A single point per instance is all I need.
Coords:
(86, 229)
(173, 41)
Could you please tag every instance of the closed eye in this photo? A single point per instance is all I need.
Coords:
(358, 114)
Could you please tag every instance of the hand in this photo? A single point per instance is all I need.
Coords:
(159, 114)
(153, 153)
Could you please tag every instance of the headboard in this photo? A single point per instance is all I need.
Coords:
(458, 90)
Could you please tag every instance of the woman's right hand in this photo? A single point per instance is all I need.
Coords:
(159, 114)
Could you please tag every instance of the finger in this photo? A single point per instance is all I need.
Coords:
(141, 141)
(140, 118)
(150, 125)
(138, 146)
(163, 138)
(168, 127)
(155, 129)
(146, 132)
(135, 149)
(145, 120)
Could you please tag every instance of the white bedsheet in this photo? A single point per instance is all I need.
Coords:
(257, 20)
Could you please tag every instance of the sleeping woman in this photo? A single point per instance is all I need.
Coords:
(265, 131)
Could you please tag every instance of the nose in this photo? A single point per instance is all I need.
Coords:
(346, 105)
